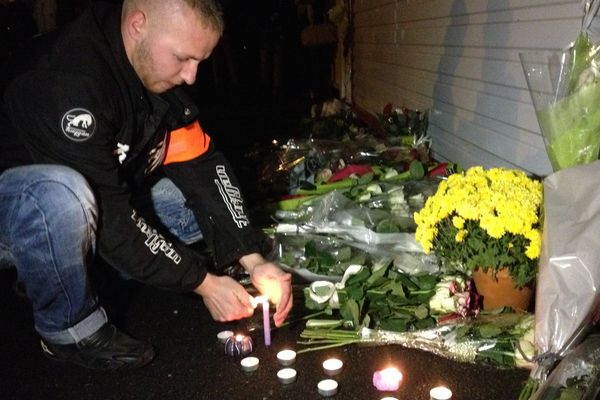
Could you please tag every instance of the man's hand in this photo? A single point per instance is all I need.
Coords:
(272, 282)
(225, 298)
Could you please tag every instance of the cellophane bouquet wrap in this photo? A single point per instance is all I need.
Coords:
(577, 376)
(567, 300)
(565, 89)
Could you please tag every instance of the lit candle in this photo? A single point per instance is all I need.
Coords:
(332, 366)
(286, 357)
(440, 393)
(249, 364)
(387, 380)
(286, 375)
(266, 321)
(238, 345)
(327, 387)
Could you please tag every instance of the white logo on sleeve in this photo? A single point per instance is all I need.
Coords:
(78, 124)
(232, 197)
(155, 242)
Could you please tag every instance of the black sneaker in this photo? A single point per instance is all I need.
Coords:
(107, 349)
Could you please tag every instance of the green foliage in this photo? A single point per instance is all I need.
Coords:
(332, 260)
(385, 298)
(481, 250)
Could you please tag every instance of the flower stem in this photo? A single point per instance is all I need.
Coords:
(319, 313)
(328, 346)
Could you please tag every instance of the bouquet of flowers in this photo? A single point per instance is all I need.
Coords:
(381, 305)
(485, 219)
(377, 296)
(565, 89)
(371, 213)
(504, 340)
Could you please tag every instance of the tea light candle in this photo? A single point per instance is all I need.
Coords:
(249, 364)
(224, 335)
(389, 398)
(327, 387)
(440, 393)
(286, 357)
(387, 380)
(286, 375)
(238, 345)
(332, 366)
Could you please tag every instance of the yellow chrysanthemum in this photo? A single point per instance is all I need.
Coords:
(460, 235)
(490, 204)
(458, 222)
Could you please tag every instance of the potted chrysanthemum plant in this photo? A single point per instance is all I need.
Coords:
(487, 222)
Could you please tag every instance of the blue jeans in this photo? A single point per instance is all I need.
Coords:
(48, 221)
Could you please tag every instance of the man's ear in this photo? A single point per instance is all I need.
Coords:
(135, 25)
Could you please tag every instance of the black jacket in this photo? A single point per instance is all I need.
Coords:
(74, 99)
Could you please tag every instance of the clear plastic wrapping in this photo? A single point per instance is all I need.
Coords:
(565, 89)
(567, 300)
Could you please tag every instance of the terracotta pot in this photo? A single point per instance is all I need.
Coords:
(501, 292)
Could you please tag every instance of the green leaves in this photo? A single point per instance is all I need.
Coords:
(480, 250)
(328, 258)
(350, 311)
(581, 56)
(387, 298)
(417, 171)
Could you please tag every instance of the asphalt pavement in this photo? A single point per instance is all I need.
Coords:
(192, 364)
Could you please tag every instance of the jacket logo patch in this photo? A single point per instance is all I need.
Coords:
(78, 124)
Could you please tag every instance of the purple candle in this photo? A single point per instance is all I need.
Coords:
(266, 320)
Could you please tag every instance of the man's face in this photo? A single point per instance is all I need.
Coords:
(170, 51)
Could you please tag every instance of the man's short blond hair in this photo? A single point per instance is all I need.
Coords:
(209, 11)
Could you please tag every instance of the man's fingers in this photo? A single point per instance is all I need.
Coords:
(283, 310)
(246, 301)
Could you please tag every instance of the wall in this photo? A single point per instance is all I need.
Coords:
(460, 60)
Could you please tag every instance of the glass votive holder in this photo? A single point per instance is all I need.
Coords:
(387, 380)
(238, 345)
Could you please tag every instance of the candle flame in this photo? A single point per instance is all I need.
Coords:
(391, 374)
(259, 300)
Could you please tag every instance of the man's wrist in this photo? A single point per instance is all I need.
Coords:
(204, 285)
(249, 261)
